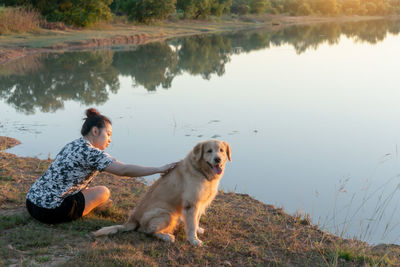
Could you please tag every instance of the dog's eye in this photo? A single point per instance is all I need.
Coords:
(221, 150)
(209, 151)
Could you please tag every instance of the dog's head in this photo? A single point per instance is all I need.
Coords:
(210, 156)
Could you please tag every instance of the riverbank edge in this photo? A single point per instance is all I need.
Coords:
(288, 223)
(15, 46)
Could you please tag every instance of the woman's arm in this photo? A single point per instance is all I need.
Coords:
(131, 170)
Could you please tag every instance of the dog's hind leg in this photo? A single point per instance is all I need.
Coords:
(130, 226)
(160, 224)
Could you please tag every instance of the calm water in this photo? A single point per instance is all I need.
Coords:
(312, 113)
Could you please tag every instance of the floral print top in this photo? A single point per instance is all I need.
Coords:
(71, 171)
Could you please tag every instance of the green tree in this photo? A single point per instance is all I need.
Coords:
(195, 8)
(15, 2)
(119, 7)
(371, 8)
(382, 7)
(74, 12)
(291, 6)
(240, 7)
(147, 11)
(219, 7)
(278, 6)
(188, 7)
(351, 7)
(203, 8)
(326, 7)
(394, 6)
(304, 9)
(258, 6)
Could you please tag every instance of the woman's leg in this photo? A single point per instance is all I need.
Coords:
(94, 197)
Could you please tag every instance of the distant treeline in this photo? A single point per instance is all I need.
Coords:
(86, 12)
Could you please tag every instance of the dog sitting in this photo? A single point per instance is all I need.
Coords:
(183, 193)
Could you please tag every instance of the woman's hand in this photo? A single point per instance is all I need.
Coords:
(168, 167)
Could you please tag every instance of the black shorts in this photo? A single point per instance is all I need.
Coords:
(71, 209)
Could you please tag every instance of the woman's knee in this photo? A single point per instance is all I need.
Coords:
(97, 194)
(104, 192)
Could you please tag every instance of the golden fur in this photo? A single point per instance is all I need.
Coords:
(185, 192)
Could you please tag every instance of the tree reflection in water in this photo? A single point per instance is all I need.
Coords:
(150, 65)
(85, 77)
(45, 81)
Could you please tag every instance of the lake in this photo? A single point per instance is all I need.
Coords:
(312, 113)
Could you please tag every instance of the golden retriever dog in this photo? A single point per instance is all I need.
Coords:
(183, 193)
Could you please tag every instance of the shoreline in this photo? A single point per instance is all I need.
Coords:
(274, 236)
(16, 46)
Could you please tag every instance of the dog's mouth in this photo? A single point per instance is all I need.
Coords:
(217, 169)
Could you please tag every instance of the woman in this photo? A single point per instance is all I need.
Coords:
(62, 193)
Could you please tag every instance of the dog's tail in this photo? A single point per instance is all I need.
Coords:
(115, 229)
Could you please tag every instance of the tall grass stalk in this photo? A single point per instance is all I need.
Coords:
(383, 208)
(19, 20)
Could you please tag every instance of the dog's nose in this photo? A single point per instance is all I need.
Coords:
(217, 160)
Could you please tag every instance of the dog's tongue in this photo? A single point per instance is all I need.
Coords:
(217, 169)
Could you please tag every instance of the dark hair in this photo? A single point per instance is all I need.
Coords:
(93, 118)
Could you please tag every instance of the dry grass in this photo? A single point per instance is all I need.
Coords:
(7, 142)
(18, 20)
(240, 231)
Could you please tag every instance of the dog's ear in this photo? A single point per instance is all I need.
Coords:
(198, 151)
(228, 150)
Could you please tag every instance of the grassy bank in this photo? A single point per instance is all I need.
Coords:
(240, 231)
(13, 46)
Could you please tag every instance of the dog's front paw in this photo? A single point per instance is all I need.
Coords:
(166, 237)
(200, 231)
(196, 242)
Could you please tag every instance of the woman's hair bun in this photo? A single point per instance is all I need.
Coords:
(93, 118)
(90, 112)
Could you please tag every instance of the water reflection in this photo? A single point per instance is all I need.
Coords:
(151, 65)
(204, 55)
(45, 81)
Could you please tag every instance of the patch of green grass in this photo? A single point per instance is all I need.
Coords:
(83, 227)
(7, 222)
(354, 256)
(346, 255)
(39, 251)
(112, 254)
(6, 253)
(43, 259)
(32, 236)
